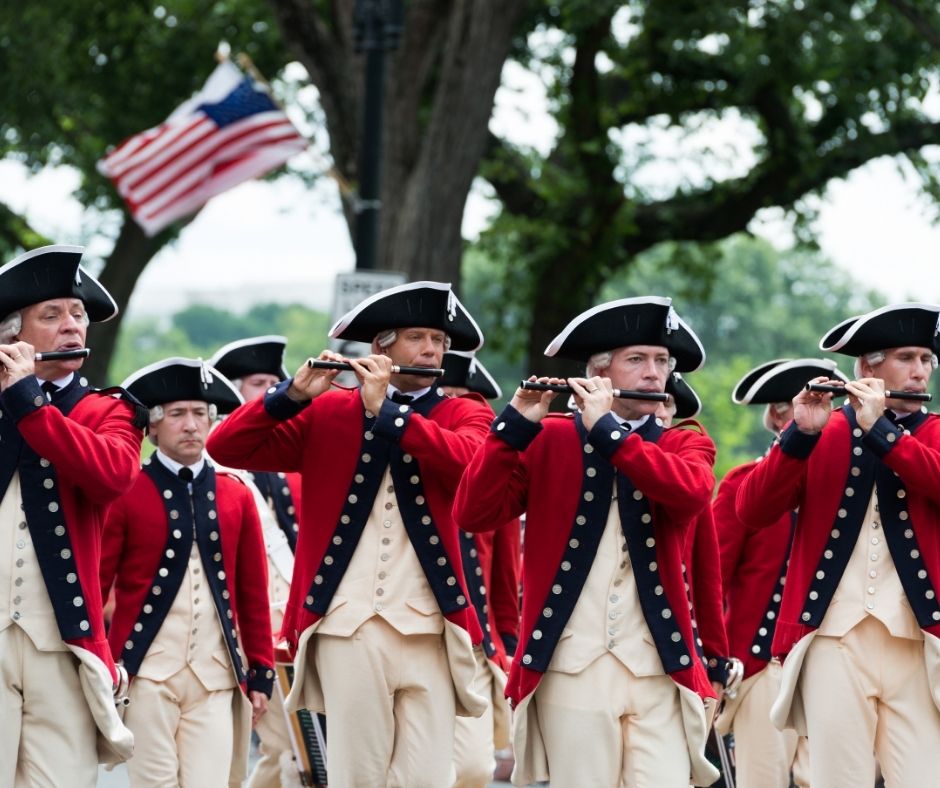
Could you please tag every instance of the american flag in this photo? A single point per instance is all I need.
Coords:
(227, 133)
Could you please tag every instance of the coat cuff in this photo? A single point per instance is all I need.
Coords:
(515, 429)
(718, 669)
(607, 434)
(797, 444)
(23, 397)
(392, 421)
(278, 405)
(882, 437)
(261, 679)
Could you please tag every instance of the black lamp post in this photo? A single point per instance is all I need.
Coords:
(377, 26)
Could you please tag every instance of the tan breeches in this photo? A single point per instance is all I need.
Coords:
(390, 708)
(47, 733)
(606, 727)
(183, 733)
(764, 755)
(866, 695)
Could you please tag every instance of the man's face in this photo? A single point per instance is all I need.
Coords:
(181, 433)
(638, 368)
(904, 369)
(57, 324)
(254, 386)
(416, 347)
(666, 412)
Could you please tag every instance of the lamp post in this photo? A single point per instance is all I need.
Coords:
(377, 26)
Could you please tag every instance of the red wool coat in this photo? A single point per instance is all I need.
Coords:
(815, 474)
(327, 442)
(546, 471)
(94, 452)
(136, 536)
(752, 563)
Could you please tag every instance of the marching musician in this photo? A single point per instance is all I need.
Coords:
(183, 551)
(754, 567)
(491, 564)
(701, 557)
(607, 686)
(66, 452)
(378, 614)
(859, 619)
(253, 365)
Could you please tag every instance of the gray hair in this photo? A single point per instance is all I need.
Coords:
(387, 339)
(777, 408)
(157, 414)
(601, 361)
(11, 326)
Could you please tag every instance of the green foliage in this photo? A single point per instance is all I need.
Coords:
(199, 330)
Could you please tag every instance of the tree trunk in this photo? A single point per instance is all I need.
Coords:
(132, 251)
(440, 86)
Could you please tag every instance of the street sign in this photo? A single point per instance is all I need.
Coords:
(350, 290)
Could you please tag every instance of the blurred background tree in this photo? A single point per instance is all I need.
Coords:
(762, 105)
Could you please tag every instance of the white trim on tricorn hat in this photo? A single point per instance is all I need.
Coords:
(688, 404)
(781, 380)
(182, 379)
(464, 370)
(252, 356)
(641, 320)
(51, 272)
(413, 305)
(909, 324)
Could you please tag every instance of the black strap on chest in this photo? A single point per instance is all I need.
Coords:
(190, 515)
(43, 516)
(375, 454)
(584, 538)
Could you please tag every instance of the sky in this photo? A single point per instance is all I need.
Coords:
(277, 241)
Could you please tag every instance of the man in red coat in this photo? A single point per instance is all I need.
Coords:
(491, 562)
(253, 365)
(66, 452)
(378, 613)
(184, 552)
(607, 684)
(701, 557)
(754, 568)
(859, 619)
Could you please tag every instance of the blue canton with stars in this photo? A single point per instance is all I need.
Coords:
(243, 101)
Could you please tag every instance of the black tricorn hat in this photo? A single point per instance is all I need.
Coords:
(175, 379)
(687, 402)
(251, 356)
(895, 325)
(781, 380)
(463, 370)
(413, 305)
(53, 272)
(644, 320)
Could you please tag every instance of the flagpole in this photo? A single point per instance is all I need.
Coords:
(246, 64)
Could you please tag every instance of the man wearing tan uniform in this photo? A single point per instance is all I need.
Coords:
(607, 681)
(860, 619)
(184, 553)
(66, 451)
(378, 611)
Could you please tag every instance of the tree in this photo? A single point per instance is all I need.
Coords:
(822, 86)
(79, 77)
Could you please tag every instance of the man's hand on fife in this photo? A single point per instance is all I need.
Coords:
(534, 404)
(16, 362)
(309, 383)
(811, 409)
(595, 398)
(373, 372)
